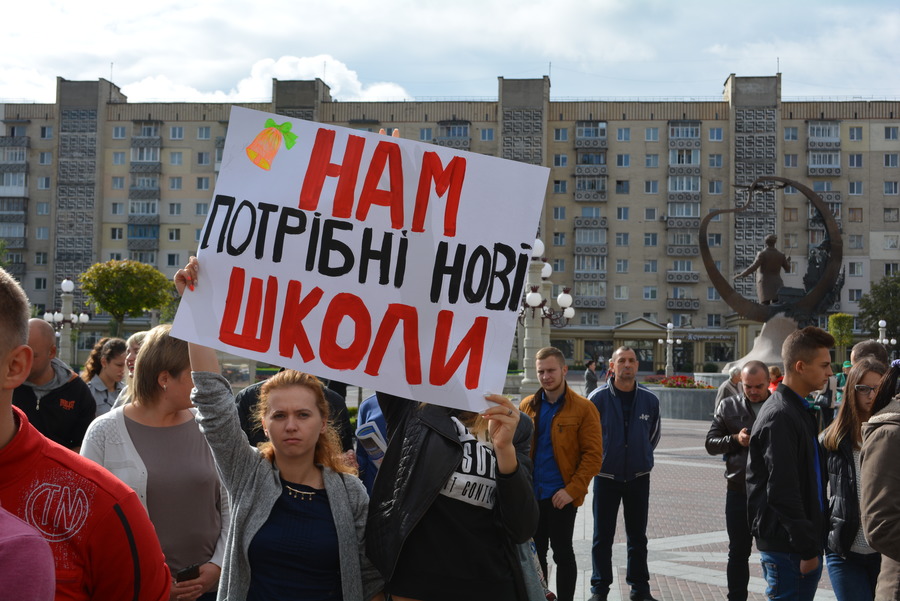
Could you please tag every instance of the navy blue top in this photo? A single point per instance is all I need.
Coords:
(295, 553)
(547, 479)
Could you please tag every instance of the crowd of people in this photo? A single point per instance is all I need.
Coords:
(144, 478)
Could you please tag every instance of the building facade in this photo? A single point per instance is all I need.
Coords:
(93, 177)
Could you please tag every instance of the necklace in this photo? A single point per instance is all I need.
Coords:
(303, 495)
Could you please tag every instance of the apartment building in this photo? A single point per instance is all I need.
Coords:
(93, 177)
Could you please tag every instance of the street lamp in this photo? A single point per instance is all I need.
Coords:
(669, 342)
(64, 321)
(882, 334)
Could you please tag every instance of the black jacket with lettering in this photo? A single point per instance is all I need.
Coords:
(63, 414)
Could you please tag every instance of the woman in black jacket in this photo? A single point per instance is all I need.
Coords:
(853, 565)
(451, 500)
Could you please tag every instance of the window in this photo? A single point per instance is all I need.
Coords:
(684, 209)
(622, 213)
(816, 236)
(790, 133)
(651, 239)
(791, 214)
(684, 156)
(714, 320)
(174, 234)
(145, 155)
(46, 132)
(651, 134)
(203, 183)
(890, 132)
(717, 217)
(690, 131)
(146, 183)
(622, 186)
(855, 214)
(560, 134)
(173, 260)
(715, 187)
(623, 160)
(116, 233)
(890, 159)
(650, 292)
(854, 294)
(790, 160)
(891, 241)
(43, 183)
(117, 208)
(487, 134)
(202, 208)
(890, 188)
(684, 183)
(560, 186)
(827, 130)
(42, 208)
(143, 257)
(715, 134)
(176, 157)
(891, 269)
(559, 265)
(203, 132)
(790, 190)
(650, 213)
(712, 294)
(143, 232)
(143, 207)
(592, 212)
(560, 160)
(623, 134)
(559, 238)
(822, 186)
(590, 289)
(559, 213)
(651, 160)
(682, 265)
(40, 258)
(455, 131)
(118, 182)
(892, 214)
(149, 130)
(856, 134)
(620, 317)
(621, 265)
(622, 239)
(855, 241)
(824, 159)
(679, 292)
(790, 240)
(620, 292)
(651, 186)
(714, 240)
(589, 318)
(45, 158)
(588, 263)
(715, 160)
(591, 158)
(118, 158)
(682, 238)
(856, 188)
(40, 283)
(651, 266)
(203, 158)
(590, 236)
(855, 161)
(176, 132)
(197, 233)
(855, 269)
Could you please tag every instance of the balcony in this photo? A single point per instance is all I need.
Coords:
(143, 219)
(590, 276)
(14, 243)
(591, 249)
(146, 142)
(143, 193)
(826, 171)
(23, 141)
(14, 191)
(683, 304)
(590, 195)
(143, 244)
(831, 196)
(590, 170)
(589, 222)
(682, 277)
(683, 223)
(589, 302)
(823, 144)
(148, 167)
(590, 143)
(683, 196)
(814, 223)
(682, 250)
(684, 169)
(17, 270)
(453, 142)
(675, 143)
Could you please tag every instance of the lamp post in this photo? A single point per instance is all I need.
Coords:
(882, 334)
(670, 341)
(66, 319)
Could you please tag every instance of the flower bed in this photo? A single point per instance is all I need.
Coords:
(684, 382)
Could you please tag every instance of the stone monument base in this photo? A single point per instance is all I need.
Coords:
(767, 346)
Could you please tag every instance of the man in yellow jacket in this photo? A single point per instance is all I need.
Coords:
(567, 451)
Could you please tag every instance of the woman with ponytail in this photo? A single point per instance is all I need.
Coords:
(104, 371)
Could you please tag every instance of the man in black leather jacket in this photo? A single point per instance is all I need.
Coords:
(729, 435)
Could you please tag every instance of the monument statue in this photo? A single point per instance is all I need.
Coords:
(768, 265)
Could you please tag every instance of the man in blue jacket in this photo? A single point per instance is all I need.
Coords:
(631, 428)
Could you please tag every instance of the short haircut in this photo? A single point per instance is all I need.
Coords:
(14, 313)
(550, 351)
(754, 367)
(160, 352)
(803, 345)
(869, 348)
(622, 349)
(734, 371)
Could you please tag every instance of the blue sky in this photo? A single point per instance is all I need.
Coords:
(225, 50)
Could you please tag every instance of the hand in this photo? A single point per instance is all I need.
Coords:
(743, 438)
(808, 565)
(561, 498)
(187, 277)
(349, 458)
(503, 419)
(208, 580)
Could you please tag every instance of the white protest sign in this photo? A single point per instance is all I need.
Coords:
(377, 261)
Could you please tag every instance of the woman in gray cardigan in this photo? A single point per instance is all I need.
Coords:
(298, 513)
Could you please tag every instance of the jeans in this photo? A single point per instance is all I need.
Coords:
(853, 578)
(739, 545)
(782, 574)
(634, 496)
(555, 529)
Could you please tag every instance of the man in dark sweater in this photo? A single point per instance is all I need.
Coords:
(786, 472)
(56, 401)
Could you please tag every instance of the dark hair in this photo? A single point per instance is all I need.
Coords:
(887, 388)
(755, 366)
(550, 351)
(802, 345)
(14, 313)
(870, 348)
(106, 348)
(588, 363)
(328, 446)
(848, 421)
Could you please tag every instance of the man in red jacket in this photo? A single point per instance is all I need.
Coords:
(103, 543)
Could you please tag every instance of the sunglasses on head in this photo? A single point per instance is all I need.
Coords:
(863, 389)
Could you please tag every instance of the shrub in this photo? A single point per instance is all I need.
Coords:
(684, 382)
(710, 368)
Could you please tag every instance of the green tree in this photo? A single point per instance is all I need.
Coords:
(126, 289)
(881, 303)
(840, 325)
(3, 262)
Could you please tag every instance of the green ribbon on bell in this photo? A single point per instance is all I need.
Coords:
(285, 128)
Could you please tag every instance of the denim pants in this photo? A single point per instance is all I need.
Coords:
(739, 545)
(555, 530)
(854, 577)
(634, 496)
(783, 579)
